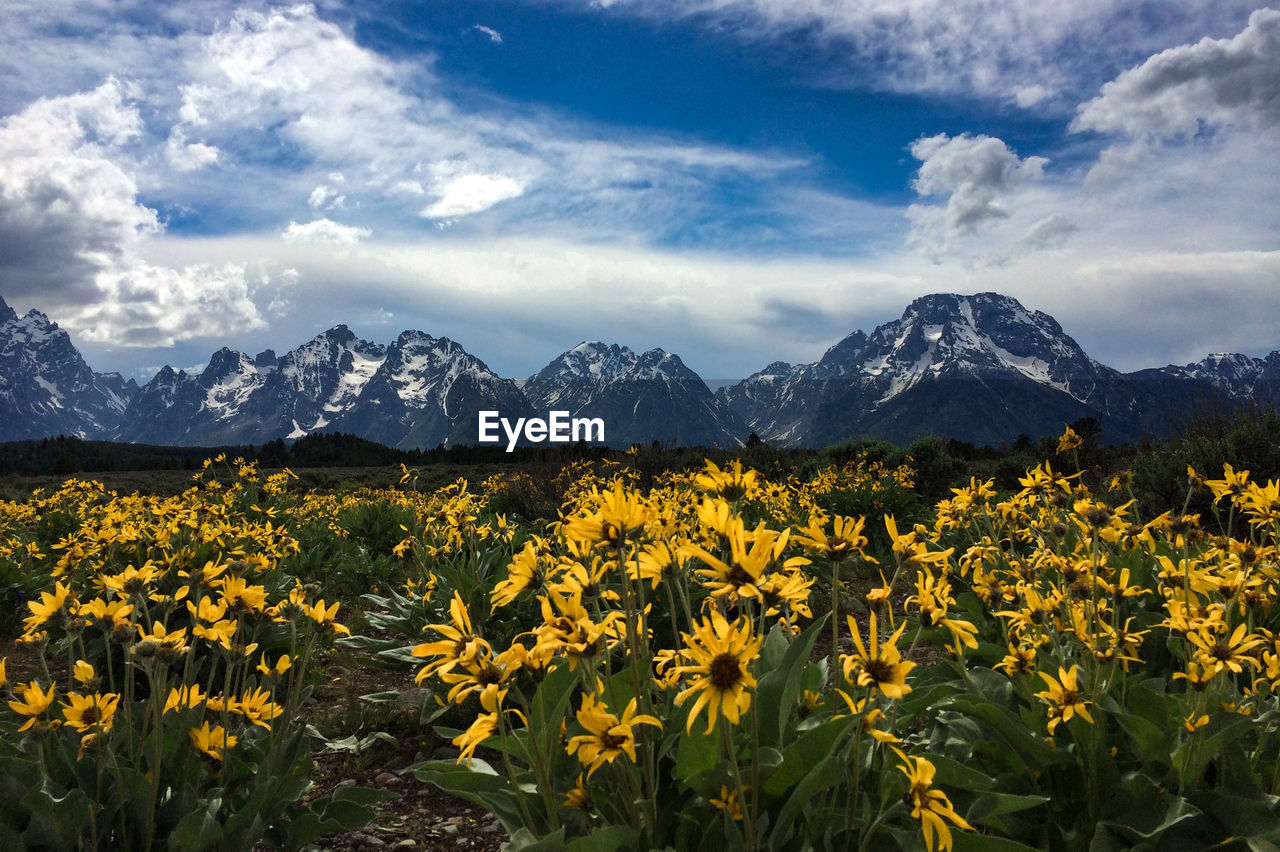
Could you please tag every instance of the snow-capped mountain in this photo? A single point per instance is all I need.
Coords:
(979, 368)
(1238, 377)
(419, 391)
(46, 388)
(425, 391)
(640, 398)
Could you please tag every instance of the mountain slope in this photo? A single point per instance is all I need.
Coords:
(46, 388)
(978, 368)
(428, 391)
(640, 398)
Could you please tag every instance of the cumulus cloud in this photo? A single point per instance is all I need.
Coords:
(72, 229)
(325, 231)
(494, 35)
(1229, 81)
(188, 156)
(976, 174)
(472, 193)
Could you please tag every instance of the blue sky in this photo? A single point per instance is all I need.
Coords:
(737, 181)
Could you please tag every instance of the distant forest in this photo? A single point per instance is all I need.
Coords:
(1247, 438)
(66, 455)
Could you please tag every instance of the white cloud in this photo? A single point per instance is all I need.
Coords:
(472, 193)
(72, 229)
(188, 156)
(976, 174)
(494, 35)
(146, 305)
(288, 80)
(325, 231)
(1050, 232)
(324, 196)
(1027, 51)
(1229, 81)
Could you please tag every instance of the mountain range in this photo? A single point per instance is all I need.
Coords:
(979, 368)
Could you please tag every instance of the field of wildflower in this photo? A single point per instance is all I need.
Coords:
(712, 658)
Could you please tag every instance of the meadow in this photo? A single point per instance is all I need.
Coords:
(609, 656)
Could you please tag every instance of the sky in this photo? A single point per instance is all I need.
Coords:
(735, 181)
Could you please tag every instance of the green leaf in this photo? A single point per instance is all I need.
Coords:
(951, 773)
(825, 773)
(968, 841)
(1231, 728)
(990, 805)
(525, 840)
(1150, 742)
(802, 755)
(478, 783)
(198, 830)
(695, 754)
(548, 708)
(609, 839)
(779, 689)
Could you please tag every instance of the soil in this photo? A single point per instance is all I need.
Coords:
(422, 816)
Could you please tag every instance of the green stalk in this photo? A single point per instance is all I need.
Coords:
(726, 736)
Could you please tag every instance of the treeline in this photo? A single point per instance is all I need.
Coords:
(66, 455)
(1246, 438)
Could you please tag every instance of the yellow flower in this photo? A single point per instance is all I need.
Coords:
(1232, 483)
(108, 614)
(162, 638)
(731, 484)
(34, 702)
(1069, 441)
(721, 652)
(729, 802)
(578, 797)
(257, 707)
(322, 616)
(881, 666)
(1226, 653)
(219, 633)
(930, 806)
(212, 741)
(1198, 676)
(484, 726)
(1193, 723)
(282, 665)
(608, 735)
(620, 514)
(184, 697)
(844, 540)
(4, 677)
(524, 572)
(1063, 697)
(236, 592)
(90, 712)
(751, 553)
(458, 646)
(1019, 659)
(48, 606)
(83, 672)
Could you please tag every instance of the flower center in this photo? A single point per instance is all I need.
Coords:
(739, 576)
(725, 671)
(879, 670)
